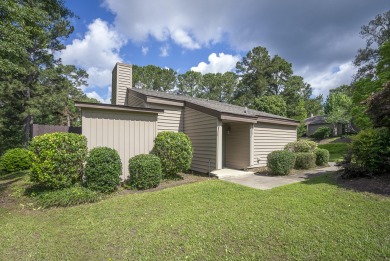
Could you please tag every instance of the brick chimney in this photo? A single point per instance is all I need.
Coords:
(121, 80)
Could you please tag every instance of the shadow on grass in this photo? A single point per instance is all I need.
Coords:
(13, 175)
(7, 180)
(379, 185)
(35, 190)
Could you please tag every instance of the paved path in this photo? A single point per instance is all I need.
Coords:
(268, 182)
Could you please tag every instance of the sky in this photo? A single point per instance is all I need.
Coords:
(319, 38)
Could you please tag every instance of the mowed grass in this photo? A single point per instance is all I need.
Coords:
(211, 220)
(337, 151)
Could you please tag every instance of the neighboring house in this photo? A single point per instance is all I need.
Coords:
(315, 122)
(222, 135)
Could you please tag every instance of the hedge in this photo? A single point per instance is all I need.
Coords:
(103, 170)
(371, 150)
(58, 159)
(301, 146)
(322, 157)
(175, 152)
(145, 171)
(305, 160)
(280, 162)
(15, 160)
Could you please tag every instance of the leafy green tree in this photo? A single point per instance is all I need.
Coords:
(273, 104)
(63, 82)
(344, 89)
(261, 75)
(378, 108)
(152, 77)
(295, 92)
(338, 109)
(362, 90)
(314, 106)
(189, 83)
(218, 86)
(378, 104)
(31, 32)
(376, 33)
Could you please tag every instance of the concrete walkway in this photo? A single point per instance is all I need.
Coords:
(259, 181)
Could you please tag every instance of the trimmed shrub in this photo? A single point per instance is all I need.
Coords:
(145, 171)
(175, 152)
(322, 133)
(280, 162)
(103, 170)
(352, 170)
(301, 146)
(371, 151)
(58, 159)
(322, 157)
(15, 160)
(305, 160)
(66, 197)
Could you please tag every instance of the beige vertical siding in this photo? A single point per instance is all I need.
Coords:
(135, 101)
(172, 119)
(202, 130)
(270, 137)
(121, 80)
(238, 145)
(129, 133)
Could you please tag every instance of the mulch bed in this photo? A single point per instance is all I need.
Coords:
(377, 184)
(181, 180)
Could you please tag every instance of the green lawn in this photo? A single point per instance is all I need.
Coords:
(210, 220)
(336, 150)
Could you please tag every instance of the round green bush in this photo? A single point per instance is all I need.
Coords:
(58, 159)
(175, 152)
(15, 160)
(322, 157)
(280, 162)
(371, 150)
(322, 133)
(103, 170)
(145, 171)
(305, 160)
(301, 146)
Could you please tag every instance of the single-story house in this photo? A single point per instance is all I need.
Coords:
(315, 122)
(222, 135)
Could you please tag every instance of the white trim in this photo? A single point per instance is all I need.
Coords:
(251, 144)
(219, 145)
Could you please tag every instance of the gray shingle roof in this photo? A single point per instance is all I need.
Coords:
(210, 104)
(316, 120)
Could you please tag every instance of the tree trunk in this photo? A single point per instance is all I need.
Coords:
(27, 120)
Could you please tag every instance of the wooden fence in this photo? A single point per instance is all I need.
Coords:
(40, 129)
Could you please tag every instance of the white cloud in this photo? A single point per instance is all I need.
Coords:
(312, 34)
(95, 95)
(323, 81)
(144, 50)
(217, 64)
(183, 39)
(97, 52)
(164, 51)
(188, 24)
